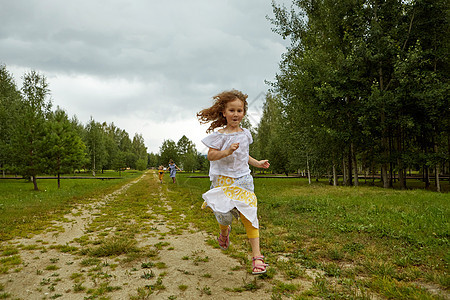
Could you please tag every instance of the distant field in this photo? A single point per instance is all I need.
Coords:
(412, 182)
(107, 173)
(24, 210)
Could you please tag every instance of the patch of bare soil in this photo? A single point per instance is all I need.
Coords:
(188, 268)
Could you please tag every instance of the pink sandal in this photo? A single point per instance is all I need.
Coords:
(224, 244)
(261, 268)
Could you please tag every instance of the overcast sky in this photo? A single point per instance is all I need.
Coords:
(147, 66)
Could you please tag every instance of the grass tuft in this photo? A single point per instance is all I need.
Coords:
(114, 247)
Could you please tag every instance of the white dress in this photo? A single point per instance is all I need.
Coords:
(232, 185)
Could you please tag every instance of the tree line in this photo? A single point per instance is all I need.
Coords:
(362, 89)
(183, 153)
(34, 139)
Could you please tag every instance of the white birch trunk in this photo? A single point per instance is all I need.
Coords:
(307, 167)
(335, 181)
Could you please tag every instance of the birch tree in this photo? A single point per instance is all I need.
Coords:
(27, 140)
(95, 143)
(371, 77)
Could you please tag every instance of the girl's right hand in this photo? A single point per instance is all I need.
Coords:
(215, 154)
(233, 148)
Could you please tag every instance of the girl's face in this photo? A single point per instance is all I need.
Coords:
(234, 112)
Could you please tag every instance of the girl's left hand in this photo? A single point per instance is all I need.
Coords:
(264, 164)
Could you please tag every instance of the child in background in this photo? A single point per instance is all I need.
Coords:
(232, 190)
(173, 170)
(161, 173)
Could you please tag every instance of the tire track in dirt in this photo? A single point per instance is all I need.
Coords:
(208, 270)
(31, 280)
(192, 269)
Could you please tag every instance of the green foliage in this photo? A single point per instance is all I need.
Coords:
(35, 140)
(184, 145)
(188, 154)
(27, 139)
(153, 160)
(272, 139)
(64, 149)
(202, 162)
(9, 104)
(189, 161)
(168, 151)
(183, 153)
(95, 142)
(364, 84)
(138, 147)
(141, 164)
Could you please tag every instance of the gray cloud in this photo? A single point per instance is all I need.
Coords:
(141, 59)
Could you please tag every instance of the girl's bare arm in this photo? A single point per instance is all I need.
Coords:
(258, 163)
(215, 154)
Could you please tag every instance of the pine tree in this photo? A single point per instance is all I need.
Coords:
(64, 150)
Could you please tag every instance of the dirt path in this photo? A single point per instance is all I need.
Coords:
(185, 266)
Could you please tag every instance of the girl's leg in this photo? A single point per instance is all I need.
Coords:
(252, 234)
(223, 229)
(253, 238)
(254, 243)
(224, 236)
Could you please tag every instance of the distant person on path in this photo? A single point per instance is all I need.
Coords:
(161, 173)
(173, 170)
(232, 190)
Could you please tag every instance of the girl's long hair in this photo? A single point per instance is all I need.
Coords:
(214, 113)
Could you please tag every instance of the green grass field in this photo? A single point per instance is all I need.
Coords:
(364, 240)
(346, 242)
(24, 211)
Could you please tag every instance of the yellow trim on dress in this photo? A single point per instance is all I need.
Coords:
(235, 192)
(239, 194)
